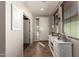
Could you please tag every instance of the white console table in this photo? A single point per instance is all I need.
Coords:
(59, 48)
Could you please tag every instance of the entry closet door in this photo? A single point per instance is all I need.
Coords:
(44, 29)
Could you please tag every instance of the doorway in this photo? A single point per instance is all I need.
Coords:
(26, 32)
(42, 25)
(44, 28)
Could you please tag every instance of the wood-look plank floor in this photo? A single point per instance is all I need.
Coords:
(37, 50)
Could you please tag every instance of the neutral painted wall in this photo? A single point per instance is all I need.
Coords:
(14, 39)
(2, 28)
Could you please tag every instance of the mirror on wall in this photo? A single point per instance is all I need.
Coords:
(56, 22)
(71, 19)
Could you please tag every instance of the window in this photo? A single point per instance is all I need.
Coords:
(71, 18)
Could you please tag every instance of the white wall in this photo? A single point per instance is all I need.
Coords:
(14, 39)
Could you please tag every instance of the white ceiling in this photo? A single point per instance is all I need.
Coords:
(35, 6)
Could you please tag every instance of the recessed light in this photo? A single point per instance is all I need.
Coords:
(42, 9)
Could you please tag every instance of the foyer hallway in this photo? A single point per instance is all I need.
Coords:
(38, 49)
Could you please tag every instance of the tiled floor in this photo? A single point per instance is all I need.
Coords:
(38, 49)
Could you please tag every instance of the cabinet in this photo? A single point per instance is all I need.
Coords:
(59, 48)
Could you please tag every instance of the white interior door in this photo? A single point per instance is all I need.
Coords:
(26, 31)
(44, 29)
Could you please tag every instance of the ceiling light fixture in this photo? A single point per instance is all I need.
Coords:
(42, 9)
